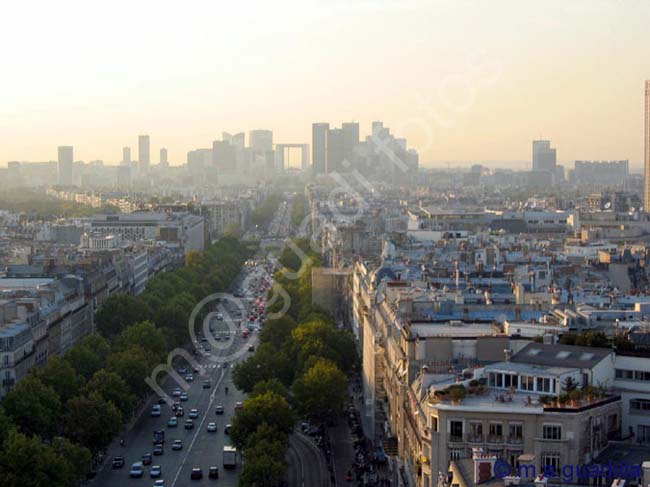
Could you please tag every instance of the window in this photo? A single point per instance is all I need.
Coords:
(476, 430)
(551, 462)
(509, 381)
(552, 432)
(643, 433)
(496, 429)
(641, 375)
(434, 424)
(456, 429)
(543, 384)
(527, 383)
(516, 431)
(624, 374)
(640, 406)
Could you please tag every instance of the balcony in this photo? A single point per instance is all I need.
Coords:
(475, 439)
(495, 439)
(515, 440)
(456, 438)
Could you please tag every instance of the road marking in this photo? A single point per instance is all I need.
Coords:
(198, 430)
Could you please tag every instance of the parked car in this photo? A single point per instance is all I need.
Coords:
(227, 429)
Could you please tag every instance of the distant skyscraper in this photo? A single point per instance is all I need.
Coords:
(335, 150)
(260, 140)
(163, 157)
(237, 140)
(65, 163)
(544, 157)
(350, 139)
(224, 156)
(143, 153)
(646, 150)
(319, 147)
(126, 155)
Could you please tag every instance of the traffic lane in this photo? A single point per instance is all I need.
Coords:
(140, 439)
(207, 450)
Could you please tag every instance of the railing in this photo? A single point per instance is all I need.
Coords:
(475, 439)
(495, 439)
(456, 438)
(516, 440)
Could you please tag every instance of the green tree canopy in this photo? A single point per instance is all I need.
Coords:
(34, 407)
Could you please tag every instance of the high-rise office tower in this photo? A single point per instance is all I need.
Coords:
(350, 139)
(224, 156)
(544, 156)
(126, 155)
(646, 150)
(163, 157)
(319, 147)
(143, 153)
(335, 150)
(237, 140)
(260, 140)
(65, 163)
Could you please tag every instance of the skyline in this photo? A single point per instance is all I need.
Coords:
(561, 73)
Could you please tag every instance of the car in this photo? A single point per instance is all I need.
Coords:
(251, 348)
(182, 370)
(137, 470)
(219, 410)
(197, 474)
(189, 424)
(227, 429)
(177, 445)
(180, 412)
(158, 450)
(159, 483)
(207, 384)
(213, 473)
(118, 462)
(194, 413)
(155, 411)
(146, 459)
(172, 422)
(155, 472)
(184, 396)
(212, 427)
(195, 370)
(238, 405)
(189, 378)
(177, 392)
(162, 400)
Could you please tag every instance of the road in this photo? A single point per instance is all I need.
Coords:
(200, 448)
(306, 463)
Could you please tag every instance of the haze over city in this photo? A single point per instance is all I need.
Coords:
(462, 80)
(371, 243)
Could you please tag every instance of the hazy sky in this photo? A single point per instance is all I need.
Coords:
(461, 79)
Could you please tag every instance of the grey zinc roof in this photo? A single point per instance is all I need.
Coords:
(561, 355)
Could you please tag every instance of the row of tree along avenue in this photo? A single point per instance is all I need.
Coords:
(61, 416)
(300, 370)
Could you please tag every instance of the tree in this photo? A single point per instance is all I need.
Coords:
(267, 363)
(6, 426)
(267, 408)
(144, 335)
(62, 377)
(89, 355)
(134, 366)
(118, 312)
(271, 385)
(321, 392)
(277, 332)
(114, 389)
(92, 421)
(27, 462)
(34, 407)
(263, 471)
(77, 456)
